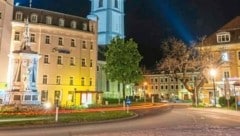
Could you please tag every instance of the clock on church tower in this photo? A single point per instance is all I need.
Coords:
(110, 17)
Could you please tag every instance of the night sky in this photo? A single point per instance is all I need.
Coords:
(149, 22)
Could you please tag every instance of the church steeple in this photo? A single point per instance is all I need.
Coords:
(110, 17)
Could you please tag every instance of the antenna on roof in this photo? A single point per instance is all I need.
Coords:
(30, 3)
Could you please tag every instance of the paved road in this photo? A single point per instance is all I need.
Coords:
(175, 122)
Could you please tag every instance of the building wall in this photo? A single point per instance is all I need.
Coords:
(6, 10)
(77, 92)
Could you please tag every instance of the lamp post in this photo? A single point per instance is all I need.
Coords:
(57, 108)
(213, 74)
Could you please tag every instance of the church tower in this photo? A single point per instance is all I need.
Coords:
(6, 11)
(110, 17)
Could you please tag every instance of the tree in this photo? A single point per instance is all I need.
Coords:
(122, 62)
(182, 62)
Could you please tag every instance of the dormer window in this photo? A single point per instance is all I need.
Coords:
(48, 20)
(61, 22)
(34, 18)
(73, 24)
(18, 16)
(223, 37)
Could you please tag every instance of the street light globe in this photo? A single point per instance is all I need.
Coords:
(213, 72)
(145, 83)
(47, 105)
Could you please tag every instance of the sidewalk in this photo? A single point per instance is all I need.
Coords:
(219, 110)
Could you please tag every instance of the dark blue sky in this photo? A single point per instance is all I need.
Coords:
(149, 22)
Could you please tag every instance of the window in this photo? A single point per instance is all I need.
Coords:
(166, 80)
(44, 95)
(239, 55)
(46, 59)
(47, 39)
(225, 56)
(72, 61)
(84, 26)
(161, 87)
(32, 38)
(71, 80)
(45, 78)
(60, 41)
(34, 18)
(72, 43)
(18, 16)
(90, 82)
(59, 60)
(91, 45)
(156, 87)
(34, 97)
(116, 4)
(57, 95)
(107, 86)
(83, 62)
(17, 36)
(166, 87)
(223, 37)
(48, 20)
(61, 22)
(172, 87)
(176, 86)
(17, 97)
(226, 74)
(0, 15)
(98, 68)
(58, 80)
(100, 3)
(91, 63)
(73, 24)
(156, 80)
(27, 97)
(84, 44)
(82, 81)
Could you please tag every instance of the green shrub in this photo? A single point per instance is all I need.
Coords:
(223, 101)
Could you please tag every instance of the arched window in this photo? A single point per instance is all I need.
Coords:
(116, 4)
(100, 3)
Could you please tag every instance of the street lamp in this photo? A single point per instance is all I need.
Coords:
(213, 73)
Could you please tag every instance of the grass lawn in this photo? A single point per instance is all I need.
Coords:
(31, 119)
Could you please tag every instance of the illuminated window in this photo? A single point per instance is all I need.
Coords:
(116, 3)
(72, 61)
(59, 60)
(18, 16)
(58, 80)
(32, 38)
(48, 20)
(46, 59)
(34, 18)
(71, 80)
(60, 41)
(83, 62)
(17, 36)
(47, 39)
(72, 43)
(61, 22)
(225, 56)
(223, 37)
(45, 79)
(73, 24)
(100, 3)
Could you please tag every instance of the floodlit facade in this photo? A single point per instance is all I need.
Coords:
(225, 42)
(66, 48)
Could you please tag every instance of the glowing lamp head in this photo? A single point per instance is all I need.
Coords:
(213, 72)
(47, 105)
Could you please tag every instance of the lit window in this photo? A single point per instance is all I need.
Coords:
(34, 18)
(48, 20)
(72, 43)
(18, 16)
(46, 59)
(47, 39)
(84, 44)
(82, 81)
(223, 37)
(45, 78)
(100, 3)
(83, 62)
(225, 56)
(59, 60)
(61, 22)
(60, 41)
(17, 36)
(58, 80)
(72, 61)
(74, 24)
(32, 38)
(116, 4)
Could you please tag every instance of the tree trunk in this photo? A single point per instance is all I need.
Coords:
(124, 91)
